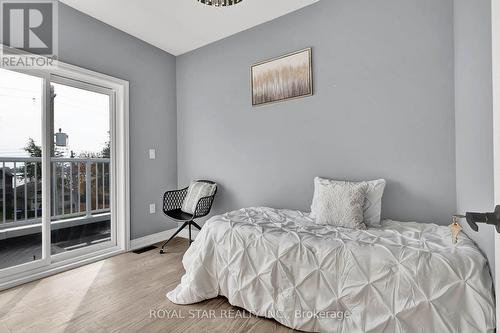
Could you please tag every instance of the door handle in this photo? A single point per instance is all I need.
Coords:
(492, 218)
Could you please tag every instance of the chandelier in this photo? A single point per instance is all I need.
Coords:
(220, 3)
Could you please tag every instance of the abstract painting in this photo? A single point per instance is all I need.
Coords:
(283, 78)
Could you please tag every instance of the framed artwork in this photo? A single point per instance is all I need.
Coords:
(280, 79)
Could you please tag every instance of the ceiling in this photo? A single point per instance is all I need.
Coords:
(179, 26)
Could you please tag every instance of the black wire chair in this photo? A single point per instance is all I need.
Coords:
(172, 203)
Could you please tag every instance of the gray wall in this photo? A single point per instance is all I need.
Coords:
(91, 44)
(474, 115)
(383, 107)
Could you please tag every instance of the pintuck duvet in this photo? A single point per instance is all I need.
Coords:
(401, 277)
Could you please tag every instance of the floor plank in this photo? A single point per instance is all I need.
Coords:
(118, 295)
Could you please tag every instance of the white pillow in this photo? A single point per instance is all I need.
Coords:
(373, 203)
(339, 203)
(372, 206)
(196, 191)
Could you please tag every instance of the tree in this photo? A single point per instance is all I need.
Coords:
(33, 150)
(105, 152)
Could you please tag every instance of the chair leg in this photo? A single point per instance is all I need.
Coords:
(196, 225)
(173, 236)
(190, 241)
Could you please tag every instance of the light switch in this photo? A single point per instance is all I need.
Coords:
(152, 154)
(152, 208)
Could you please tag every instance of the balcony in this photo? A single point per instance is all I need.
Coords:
(80, 206)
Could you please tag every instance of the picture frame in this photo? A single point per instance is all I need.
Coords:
(283, 78)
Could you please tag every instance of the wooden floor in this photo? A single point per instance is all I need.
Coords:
(121, 294)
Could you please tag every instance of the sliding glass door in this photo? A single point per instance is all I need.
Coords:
(21, 178)
(56, 170)
(81, 219)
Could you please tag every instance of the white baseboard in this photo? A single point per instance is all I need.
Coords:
(139, 243)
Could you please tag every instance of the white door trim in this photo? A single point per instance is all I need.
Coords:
(120, 146)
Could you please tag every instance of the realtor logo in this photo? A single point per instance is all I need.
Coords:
(30, 26)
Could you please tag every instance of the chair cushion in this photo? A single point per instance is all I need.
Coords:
(196, 191)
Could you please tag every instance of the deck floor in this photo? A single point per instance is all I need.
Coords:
(20, 250)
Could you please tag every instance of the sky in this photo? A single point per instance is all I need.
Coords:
(82, 115)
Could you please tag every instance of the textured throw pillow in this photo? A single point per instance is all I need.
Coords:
(339, 203)
(372, 207)
(196, 191)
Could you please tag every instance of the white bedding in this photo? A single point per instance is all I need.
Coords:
(401, 277)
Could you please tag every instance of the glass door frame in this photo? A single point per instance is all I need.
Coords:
(111, 94)
(118, 90)
(45, 219)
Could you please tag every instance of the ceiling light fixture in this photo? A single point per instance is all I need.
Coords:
(220, 3)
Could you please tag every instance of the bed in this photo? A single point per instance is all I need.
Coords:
(401, 277)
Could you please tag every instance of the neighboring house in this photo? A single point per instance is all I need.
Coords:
(8, 190)
(33, 202)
